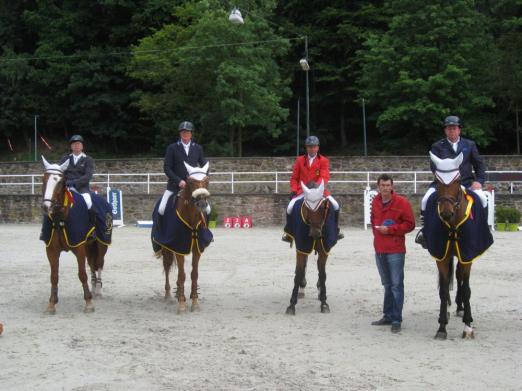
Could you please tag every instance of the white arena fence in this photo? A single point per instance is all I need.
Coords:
(256, 182)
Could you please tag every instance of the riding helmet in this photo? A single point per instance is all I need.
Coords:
(452, 120)
(75, 138)
(312, 140)
(186, 125)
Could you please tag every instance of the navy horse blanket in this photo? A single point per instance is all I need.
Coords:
(472, 237)
(175, 234)
(77, 227)
(299, 230)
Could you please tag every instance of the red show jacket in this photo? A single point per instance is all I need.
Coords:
(397, 215)
(305, 173)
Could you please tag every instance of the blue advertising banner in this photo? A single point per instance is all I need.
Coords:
(114, 198)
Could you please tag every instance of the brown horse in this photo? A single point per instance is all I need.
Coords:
(314, 212)
(452, 203)
(191, 205)
(56, 204)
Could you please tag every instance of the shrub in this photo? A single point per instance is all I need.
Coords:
(507, 215)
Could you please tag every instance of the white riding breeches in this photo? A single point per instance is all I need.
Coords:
(88, 199)
(292, 202)
(164, 200)
(432, 190)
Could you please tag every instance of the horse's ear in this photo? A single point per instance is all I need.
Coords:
(435, 159)
(205, 167)
(305, 189)
(46, 164)
(64, 165)
(189, 168)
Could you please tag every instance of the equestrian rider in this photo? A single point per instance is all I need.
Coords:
(449, 148)
(184, 150)
(79, 172)
(311, 166)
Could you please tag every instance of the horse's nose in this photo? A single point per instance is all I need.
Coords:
(315, 234)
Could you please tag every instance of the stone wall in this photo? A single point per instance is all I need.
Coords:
(265, 209)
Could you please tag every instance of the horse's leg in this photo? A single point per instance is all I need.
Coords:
(321, 267)
(194, 278)
(182, 305)
(466, 295)
(100, 262)
(444, 268)
(298, 278)
(82, 275)
(302, 284)
(53, 255)
(90, 253)
(168, 258)
(458, 297)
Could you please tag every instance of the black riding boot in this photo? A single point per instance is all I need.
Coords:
(340, 235)
(287, 238)
(420, 239)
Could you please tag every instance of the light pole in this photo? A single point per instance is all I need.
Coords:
(235, 17)
(35, 138)
(364, 127)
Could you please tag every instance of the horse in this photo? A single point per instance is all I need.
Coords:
(453, 206)
(191, 205)
(311, 221)
(57, 202)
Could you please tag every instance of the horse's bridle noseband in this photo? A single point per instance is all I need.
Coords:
(318, 206)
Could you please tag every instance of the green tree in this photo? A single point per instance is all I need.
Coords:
(432, 61)
(224, 77)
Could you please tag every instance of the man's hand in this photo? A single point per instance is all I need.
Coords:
(69, 183)
(476, 186)
(382, 229)
(182, 184)
(293, 194)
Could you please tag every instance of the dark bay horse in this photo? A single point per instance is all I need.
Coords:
(190, 207)
(314, 212)
(453, 208)
(57, 201)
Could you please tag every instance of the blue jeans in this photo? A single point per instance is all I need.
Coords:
(391, 270)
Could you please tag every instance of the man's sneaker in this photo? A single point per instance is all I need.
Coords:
(395, 328)
(382, 322)
(420, 239)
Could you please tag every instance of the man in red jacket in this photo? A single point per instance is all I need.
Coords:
(391, 218)
(310, 167)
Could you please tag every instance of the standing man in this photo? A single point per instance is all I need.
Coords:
(315, 167)
(391, 219)
(79, 172)
(450, 147)
(184, 150)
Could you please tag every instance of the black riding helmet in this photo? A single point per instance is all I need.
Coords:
(452, 120)
(76, 138)
(186, 125)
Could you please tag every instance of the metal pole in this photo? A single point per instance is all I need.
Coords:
(364, 127)
(35, 138)
(298, 125)
(307, 92)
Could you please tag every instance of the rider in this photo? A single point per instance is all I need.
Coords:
(79, 172)
(184, 150)
(449, 148)
(311, 166)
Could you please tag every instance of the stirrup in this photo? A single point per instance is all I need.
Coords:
(287, 238)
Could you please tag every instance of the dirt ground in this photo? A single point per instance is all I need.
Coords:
(242, 339)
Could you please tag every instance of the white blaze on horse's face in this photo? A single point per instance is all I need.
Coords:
(55, 172)
(447, 170)
(198, 173)
(313, 197)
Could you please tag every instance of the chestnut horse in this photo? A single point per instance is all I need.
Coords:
(452, 203)
(56, 205)
(190, 207)
(314, 212)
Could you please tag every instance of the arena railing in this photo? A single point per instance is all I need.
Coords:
(241, 182)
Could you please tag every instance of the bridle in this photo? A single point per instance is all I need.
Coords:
(53, 200)
(318, 207)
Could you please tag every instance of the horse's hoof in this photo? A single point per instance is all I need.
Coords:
(300, 294)
(182, 308)
(442, 335)
(290, 310)
(325, 308)
(459, 313)
(88, 309)
(167, 296)
(195, 307)
(50, 311)
(468, 335)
